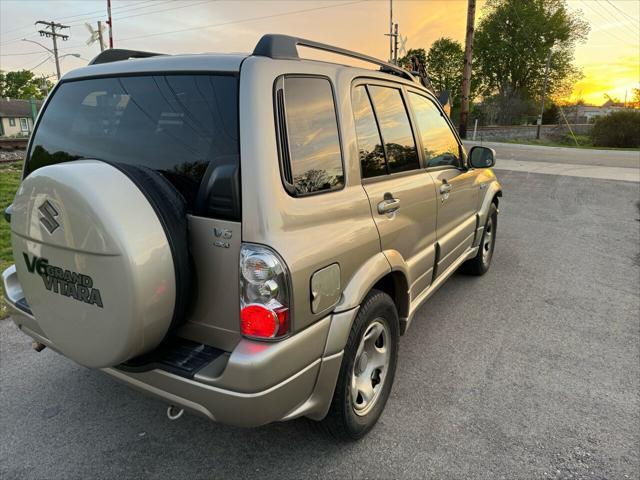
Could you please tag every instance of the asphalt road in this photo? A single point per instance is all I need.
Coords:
(531, 371)
(569, 156)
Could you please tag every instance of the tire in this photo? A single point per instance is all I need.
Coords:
(479, 265)
(351, 418)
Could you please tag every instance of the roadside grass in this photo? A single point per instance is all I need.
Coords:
(10, 174)
(584, 141)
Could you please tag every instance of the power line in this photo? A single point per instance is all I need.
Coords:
(20, 54)
(155, 4)
(606, 31)
(47, 58)
(125, 7)
(614, 17)
(635, 20)
(233, 22)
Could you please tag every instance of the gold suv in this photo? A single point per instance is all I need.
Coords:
(245, 237)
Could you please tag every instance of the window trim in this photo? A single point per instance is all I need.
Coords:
(24, 124)
(281, 143)
(463, 166)
(366, 81)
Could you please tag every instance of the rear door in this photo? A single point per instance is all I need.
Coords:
(401, 193)
(455, 185)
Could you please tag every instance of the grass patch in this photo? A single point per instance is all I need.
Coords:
(10, 174)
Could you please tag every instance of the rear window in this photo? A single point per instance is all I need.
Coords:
(184, 126)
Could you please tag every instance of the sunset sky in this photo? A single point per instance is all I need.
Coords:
(610, 58)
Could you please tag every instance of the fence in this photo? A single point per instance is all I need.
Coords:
(528, 132)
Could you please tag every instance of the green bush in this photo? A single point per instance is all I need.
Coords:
(619, 129)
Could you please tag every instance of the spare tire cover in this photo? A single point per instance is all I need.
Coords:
(95, 255)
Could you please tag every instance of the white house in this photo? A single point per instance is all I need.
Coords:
(16, 118)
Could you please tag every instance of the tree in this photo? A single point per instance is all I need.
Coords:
(405, 62)
(444, 65)
(551, 113)
(511, 45)
(22, 84)
(618, 129)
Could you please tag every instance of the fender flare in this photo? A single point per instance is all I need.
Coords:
(494, 189)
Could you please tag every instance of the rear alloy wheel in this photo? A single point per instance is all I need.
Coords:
(367, 370)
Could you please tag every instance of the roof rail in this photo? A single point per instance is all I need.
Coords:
(284, 47)
(117, 54)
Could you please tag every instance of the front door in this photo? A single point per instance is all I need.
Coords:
(402, 195)
(455, 185)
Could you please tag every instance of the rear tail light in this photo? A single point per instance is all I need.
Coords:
(264, 293)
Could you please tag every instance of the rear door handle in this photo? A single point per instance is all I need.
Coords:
(389, 205)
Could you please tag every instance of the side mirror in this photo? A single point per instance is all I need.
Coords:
(482, 157)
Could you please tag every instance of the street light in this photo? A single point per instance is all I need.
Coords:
(55, 54)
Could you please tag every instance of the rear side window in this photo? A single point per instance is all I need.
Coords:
(372, 161)
(308, 135)
(184, 126)
(395, 128)
(440, 144)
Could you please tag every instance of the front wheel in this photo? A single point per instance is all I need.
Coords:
(367, 370)
(479, 265)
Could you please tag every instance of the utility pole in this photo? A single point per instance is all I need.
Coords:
(100, 39)
(544, 93)
(54, 35)
(110, 23)
(395, 45)
(466, 73)
(393, 36)
(390, 30)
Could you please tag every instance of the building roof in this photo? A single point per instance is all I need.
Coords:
(17, 108)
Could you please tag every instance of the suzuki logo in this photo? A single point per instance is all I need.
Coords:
(48, 218)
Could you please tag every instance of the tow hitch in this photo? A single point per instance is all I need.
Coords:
(174, 413)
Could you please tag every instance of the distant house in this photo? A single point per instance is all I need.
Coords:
(16, 118)
(589, 113)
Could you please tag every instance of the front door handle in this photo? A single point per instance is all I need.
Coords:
(388, 205)
(445, 188)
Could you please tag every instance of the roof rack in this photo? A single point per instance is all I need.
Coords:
(117, 54)
(284, 47)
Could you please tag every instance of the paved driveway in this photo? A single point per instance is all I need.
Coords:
(531, 371)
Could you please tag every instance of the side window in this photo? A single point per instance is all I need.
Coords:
(372, 160)
(310, 144)
(12, 122)
(395, 128)
(440, 144)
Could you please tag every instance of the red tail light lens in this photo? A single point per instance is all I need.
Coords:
(264, 293)
(262, 322)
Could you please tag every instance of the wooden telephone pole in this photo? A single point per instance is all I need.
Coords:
(53, 33)
(466, 73)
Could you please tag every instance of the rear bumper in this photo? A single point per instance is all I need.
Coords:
(255, 384)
